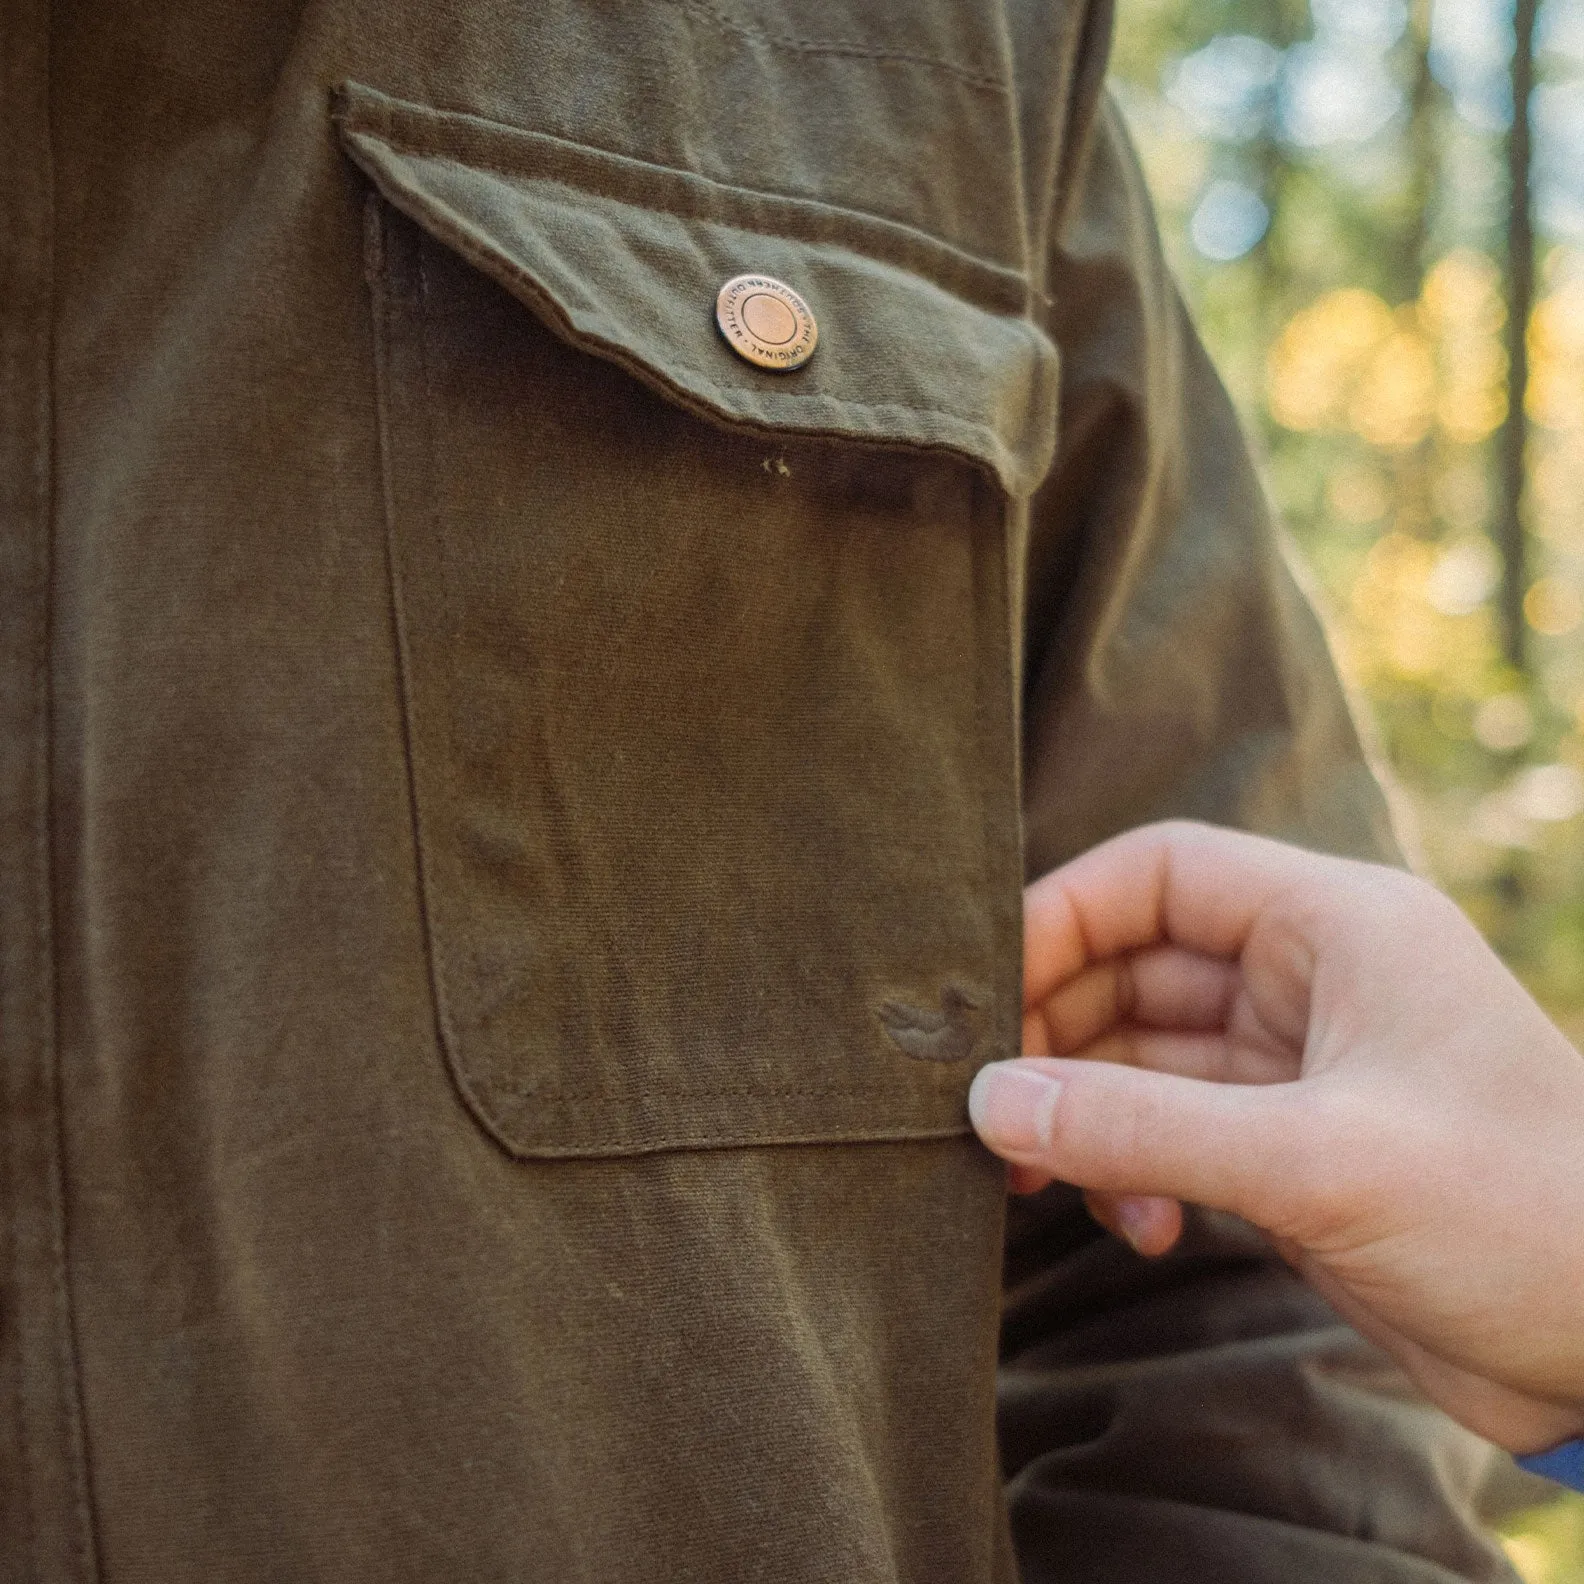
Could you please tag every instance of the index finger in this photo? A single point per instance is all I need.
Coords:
(1175, 883)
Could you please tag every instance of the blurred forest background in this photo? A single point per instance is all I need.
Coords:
(1376, 208)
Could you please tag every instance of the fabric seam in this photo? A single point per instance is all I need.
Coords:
(833, 1092)
(841, 47)
(695, 1144)
(69, 1361)
(428, 853)
(380, 270)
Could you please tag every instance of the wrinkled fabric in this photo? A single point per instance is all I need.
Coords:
(512, 818)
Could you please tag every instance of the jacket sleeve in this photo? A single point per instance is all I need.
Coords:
(1203, 1416)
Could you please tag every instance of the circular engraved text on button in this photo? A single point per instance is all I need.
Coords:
(766, 322)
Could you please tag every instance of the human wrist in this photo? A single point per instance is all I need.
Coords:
(1559, 1425)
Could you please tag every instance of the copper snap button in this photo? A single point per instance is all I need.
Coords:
(766, 322)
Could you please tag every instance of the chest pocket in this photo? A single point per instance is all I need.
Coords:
(708, 668)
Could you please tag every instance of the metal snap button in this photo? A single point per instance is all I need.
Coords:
(766, 322)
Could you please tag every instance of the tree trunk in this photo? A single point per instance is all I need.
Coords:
(1510, 536)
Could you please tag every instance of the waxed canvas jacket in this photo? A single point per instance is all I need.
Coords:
(512, 817)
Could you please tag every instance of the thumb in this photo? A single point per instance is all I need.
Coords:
(1126, 1130)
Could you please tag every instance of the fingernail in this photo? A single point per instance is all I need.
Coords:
(1133, 1221)
(1012, 1107)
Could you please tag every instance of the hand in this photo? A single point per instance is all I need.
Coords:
(1328, 1049)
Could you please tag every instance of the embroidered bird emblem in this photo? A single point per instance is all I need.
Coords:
(945, 1035)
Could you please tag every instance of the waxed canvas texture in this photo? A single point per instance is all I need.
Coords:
(418, 697)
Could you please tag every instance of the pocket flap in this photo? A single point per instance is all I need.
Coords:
(920, 344)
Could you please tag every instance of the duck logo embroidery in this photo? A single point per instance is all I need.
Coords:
(948, 1034)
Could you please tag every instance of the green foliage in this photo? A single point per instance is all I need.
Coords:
(1546, 1544)
(1362, 336)
(1361, 332)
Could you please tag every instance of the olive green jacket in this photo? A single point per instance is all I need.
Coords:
(512, 817)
